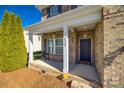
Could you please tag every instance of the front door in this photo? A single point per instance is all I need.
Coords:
(85, 50)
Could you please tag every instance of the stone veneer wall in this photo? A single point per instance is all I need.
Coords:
(113, 21)
(98, 36)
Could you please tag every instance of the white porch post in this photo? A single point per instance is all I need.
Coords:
(30, 47)
(42, 43)
(65, 50)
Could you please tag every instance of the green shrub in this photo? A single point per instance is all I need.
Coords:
(12, 46)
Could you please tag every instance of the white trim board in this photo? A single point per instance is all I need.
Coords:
(80, 16)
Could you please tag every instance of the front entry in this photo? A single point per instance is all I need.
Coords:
(85, 50)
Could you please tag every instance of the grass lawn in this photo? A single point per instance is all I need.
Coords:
(27, 78)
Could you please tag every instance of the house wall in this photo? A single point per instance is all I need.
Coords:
(65, 8)
(74, 44)
(45, 37)
(113, 21)
(109, 37)
(62, 9)
(84, 35)
(36, 42)
(99, 50)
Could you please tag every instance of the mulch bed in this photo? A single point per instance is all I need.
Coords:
(28, 78)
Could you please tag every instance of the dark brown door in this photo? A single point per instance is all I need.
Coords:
(85, 50)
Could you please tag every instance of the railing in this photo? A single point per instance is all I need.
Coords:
(37, 55)
(42, 55)
(110, 57)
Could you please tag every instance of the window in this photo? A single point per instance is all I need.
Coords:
(55, 46)
(54, 10)
(59, 46)
(50, 46)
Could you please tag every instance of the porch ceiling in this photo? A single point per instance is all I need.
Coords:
(83, 15)
(86, 27)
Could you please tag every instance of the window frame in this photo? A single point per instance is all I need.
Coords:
(59, 45)
(52, 14)
(54, 46)
(49, 46)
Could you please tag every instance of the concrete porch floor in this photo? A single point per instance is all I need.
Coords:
(81, 70)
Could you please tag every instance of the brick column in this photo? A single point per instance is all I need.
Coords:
(72, 46)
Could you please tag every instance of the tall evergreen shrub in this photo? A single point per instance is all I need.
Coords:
(12, 46)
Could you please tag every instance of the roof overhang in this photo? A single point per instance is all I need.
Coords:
(82, 15)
